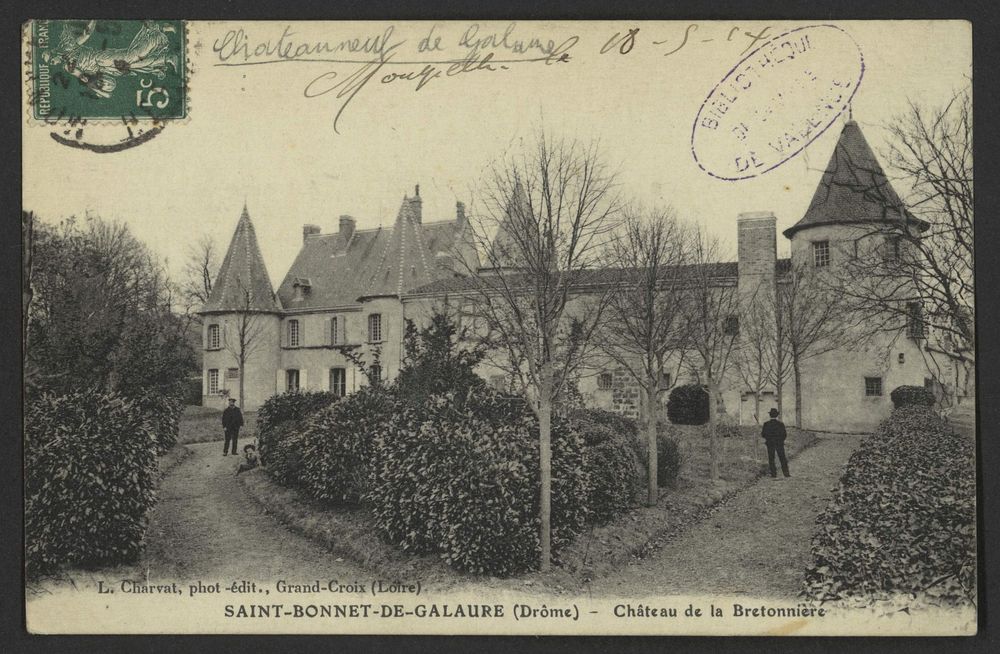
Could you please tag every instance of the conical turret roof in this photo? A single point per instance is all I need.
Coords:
(405, 261)
(854, 189)
(243, 282)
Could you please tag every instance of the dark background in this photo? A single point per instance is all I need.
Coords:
(986, 58)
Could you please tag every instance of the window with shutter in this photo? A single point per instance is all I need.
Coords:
(291, 380)
(293, 333)
(334, 331)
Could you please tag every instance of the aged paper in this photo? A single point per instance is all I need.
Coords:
(220, 213)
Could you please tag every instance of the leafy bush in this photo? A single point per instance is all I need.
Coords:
(338, 444)
(688, 405)
(164, 413)
(911, 396)
(461, 479)
(90, 470)
(614, 460)
(903, 519)
(668, 459)
(285, 456)
(293, 407)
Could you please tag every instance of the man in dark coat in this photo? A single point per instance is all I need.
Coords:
(774, 435)
(232, 420)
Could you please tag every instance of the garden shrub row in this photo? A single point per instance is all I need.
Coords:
(90, 472)
(461, 479)
(456, 476)
(903, 518)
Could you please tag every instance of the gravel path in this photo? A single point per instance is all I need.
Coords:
(755, 544)
(204, 527)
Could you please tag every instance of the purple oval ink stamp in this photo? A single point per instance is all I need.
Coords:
(776, 101)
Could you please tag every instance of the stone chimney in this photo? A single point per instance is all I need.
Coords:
(757, 248)
(347, 224)
(309, 230)
(460, 212)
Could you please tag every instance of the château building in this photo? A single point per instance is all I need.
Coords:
(357, 287)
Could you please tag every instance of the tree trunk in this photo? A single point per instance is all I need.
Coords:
(756, 418)
(242, 377)
(713, 454)
(652, 487)
(545, 464)
(779, 388)
(798, 391)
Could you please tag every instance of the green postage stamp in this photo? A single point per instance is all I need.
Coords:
(118, 69)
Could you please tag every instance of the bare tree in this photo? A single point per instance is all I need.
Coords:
(754, 355)
(645, 324)
(551, 208)
(712, 319)
(814, 318)
(245, 334)
(200, 268)
(917, 275)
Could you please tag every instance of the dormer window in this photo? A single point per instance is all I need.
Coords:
(300, 288)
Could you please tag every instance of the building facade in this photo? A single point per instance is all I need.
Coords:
(340, 312)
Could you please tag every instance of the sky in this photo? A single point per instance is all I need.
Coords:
(265, 134)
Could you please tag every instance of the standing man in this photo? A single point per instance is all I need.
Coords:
(232, 420)
(774, 435)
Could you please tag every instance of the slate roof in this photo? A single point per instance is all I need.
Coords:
(727, 270)
(854, 189)
(242, 270)
(385, 261)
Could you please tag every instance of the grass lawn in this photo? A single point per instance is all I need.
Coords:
(200, 424)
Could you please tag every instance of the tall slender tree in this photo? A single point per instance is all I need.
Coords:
(712, 327)
(644, 329)
(547, 211)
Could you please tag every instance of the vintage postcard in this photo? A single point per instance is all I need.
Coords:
(508, 327)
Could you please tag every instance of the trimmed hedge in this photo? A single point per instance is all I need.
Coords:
(90, 472)
(903, 519)
(911, 396)
(293, 407)
(688, 405)
(338, 445)
(461, 480)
